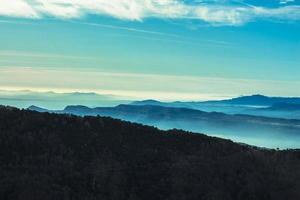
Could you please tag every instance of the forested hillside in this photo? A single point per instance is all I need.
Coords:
(54, 156)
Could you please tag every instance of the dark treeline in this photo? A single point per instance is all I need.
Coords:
(50, 156)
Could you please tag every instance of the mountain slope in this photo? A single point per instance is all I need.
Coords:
(51, 156)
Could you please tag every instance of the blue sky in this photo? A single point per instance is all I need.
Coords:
(163, 49)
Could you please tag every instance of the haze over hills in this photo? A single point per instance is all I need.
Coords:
(223, 118)
(253, 105)
(253, 100)
(54, 101)
(254, 130)
(56, 156)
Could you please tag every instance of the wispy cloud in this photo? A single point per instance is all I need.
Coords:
(215, 13)
(166, 37)
(126, 29)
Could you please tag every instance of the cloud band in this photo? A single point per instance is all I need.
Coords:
(212, 13)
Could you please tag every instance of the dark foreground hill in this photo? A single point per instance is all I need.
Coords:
(52, 156)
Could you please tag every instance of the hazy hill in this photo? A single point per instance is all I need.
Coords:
(53, 156)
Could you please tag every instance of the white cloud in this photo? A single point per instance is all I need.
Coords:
(286, 12)
(17, 8)
(213, 13)
(224, 15)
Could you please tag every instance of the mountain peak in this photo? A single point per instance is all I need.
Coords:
(36, 108)
(258, 95)
(147, 102)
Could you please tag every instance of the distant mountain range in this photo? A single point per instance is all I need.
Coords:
(259, 105)
(258, 120)
(254, 100)
(53, 100)
(162, 113)
(213, 123)
(259, 100)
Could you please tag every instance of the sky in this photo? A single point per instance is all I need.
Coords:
(160, 49)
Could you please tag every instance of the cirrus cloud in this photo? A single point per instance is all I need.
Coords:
(212, 13)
